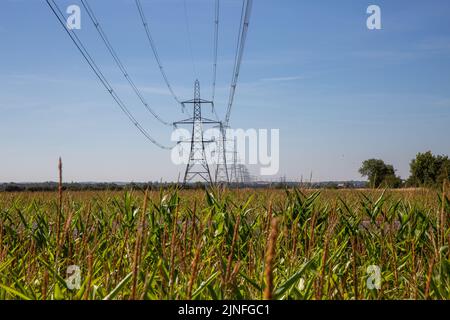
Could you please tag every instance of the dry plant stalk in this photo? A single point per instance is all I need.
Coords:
(193, 225)
(184, 245)
(294, 239)
(88, 287)
(354, 267)
(193, 276)
(107, 274)
(138, 247)
(250, 260)
(195, 262)
(60, 195)
(413, 257)
(45, 285)
(270, 258)
(311, 234)
(163, 242)
(172, 251)
(442, 216)
(234, 274)
(58, 220)
(66, 227)
(146, 281)
(233, 244)
(394, 258)
(1, 238)
(332, 221)
(119, 267)
(4, 252)
(429, 275)
(269, 217)
(86, 234)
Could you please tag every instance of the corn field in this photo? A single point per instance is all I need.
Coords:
(226, 244)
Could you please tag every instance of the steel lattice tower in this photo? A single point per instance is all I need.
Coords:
(222, 169)
(233, 173)
(238, 172)
(197, 166)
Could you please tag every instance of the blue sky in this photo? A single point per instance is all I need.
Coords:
(338, 92)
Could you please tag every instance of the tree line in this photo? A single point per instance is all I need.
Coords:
(426, 170)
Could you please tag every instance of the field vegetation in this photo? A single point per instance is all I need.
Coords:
(226, 244)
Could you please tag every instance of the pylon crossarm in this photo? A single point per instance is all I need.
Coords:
(202, 101)
(209, 121)
(186, 121)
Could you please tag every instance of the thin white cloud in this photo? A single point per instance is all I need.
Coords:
(445, 102)
(437, 45)
(25, 78)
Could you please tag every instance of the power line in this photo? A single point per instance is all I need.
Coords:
(216, 44)
(188, 29)
(119, 63)
(155, 51)
(99, 73)
(245, 20)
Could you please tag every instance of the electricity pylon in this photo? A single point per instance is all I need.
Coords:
(233, 168)
(221, 168)
(197, 166)
(238, 172)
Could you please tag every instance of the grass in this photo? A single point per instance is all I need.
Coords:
(226, 244)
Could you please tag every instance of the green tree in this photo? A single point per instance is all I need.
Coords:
(429, 170)
(380, 174)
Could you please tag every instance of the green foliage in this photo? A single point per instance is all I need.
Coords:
(429, 170)
(380, 174)
(326, 240)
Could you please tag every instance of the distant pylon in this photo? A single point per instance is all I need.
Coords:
(221, 168)
(197, 166)
(233, 168)
(237, 171)
(246, 178)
